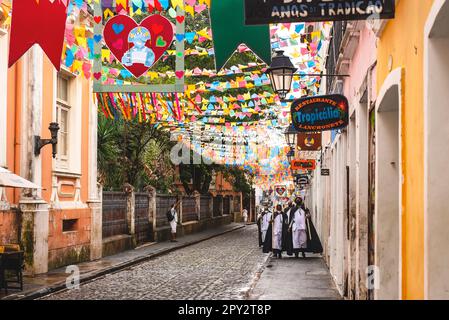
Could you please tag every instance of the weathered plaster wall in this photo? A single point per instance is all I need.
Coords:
(9, 227)
(68, 247)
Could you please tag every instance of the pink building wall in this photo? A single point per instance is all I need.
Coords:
(364, 57)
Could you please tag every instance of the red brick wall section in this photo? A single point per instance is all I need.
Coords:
(69, 247)
(9, 227)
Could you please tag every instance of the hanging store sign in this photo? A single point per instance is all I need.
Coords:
(281, 11)
(325, 172)
(303, 164)
(320, 113)
(302, 180)
(309, 141)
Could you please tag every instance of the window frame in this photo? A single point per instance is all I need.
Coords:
(62, 161)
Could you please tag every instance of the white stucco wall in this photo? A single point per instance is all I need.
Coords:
(437, 152)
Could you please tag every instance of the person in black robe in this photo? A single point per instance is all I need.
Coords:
(287, 233)
(298, 228)
(259, 221)
(313, 240)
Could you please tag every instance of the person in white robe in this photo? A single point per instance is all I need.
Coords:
(299, 229)
(266, 218)
(174, 222)
(245, 215)
(278, 221)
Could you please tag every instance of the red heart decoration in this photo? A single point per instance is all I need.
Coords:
(180, 19)
(97, 75)
(179, 74)
(116, 35)
(157, 28)
(97, 19)
(280, 190)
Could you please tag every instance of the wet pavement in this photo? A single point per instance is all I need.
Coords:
(56, 279)
(295, 279)
(224, 267)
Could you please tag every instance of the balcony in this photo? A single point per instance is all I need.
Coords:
(344, 42)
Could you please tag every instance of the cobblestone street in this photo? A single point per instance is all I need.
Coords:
(224, 267)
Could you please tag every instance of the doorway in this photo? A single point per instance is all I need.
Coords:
(387, 220)
(371, 193)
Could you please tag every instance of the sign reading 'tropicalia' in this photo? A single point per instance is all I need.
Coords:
(320, 113)
(279, 11)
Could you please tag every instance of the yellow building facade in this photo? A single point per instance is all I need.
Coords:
(411, 84)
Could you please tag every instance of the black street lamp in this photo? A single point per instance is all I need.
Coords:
(290, 155)
(39, 143)
(281, 74)
(291, 136)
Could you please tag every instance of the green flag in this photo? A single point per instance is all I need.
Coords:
(229, 31)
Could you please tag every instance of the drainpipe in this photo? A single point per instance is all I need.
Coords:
(17, 116)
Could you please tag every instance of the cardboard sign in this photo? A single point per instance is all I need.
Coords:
(309, 141)
(303, 164)
(281, 11)
(320, 113)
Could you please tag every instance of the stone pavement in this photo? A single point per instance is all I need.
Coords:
(54, 280)
(223, 267)
(212, 265)
(295, 279)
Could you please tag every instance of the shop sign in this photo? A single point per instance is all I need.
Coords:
(320, 113)
(303, 164)
(281, 11)
(309, 141)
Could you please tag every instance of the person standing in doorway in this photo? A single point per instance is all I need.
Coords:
(173, 221)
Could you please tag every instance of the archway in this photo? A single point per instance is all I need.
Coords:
(436, 130)
(388, 189)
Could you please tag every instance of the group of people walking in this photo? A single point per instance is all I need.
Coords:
(288, 229)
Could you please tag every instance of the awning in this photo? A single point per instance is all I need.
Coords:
(9, 179)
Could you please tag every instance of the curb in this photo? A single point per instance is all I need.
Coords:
(93, 275)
